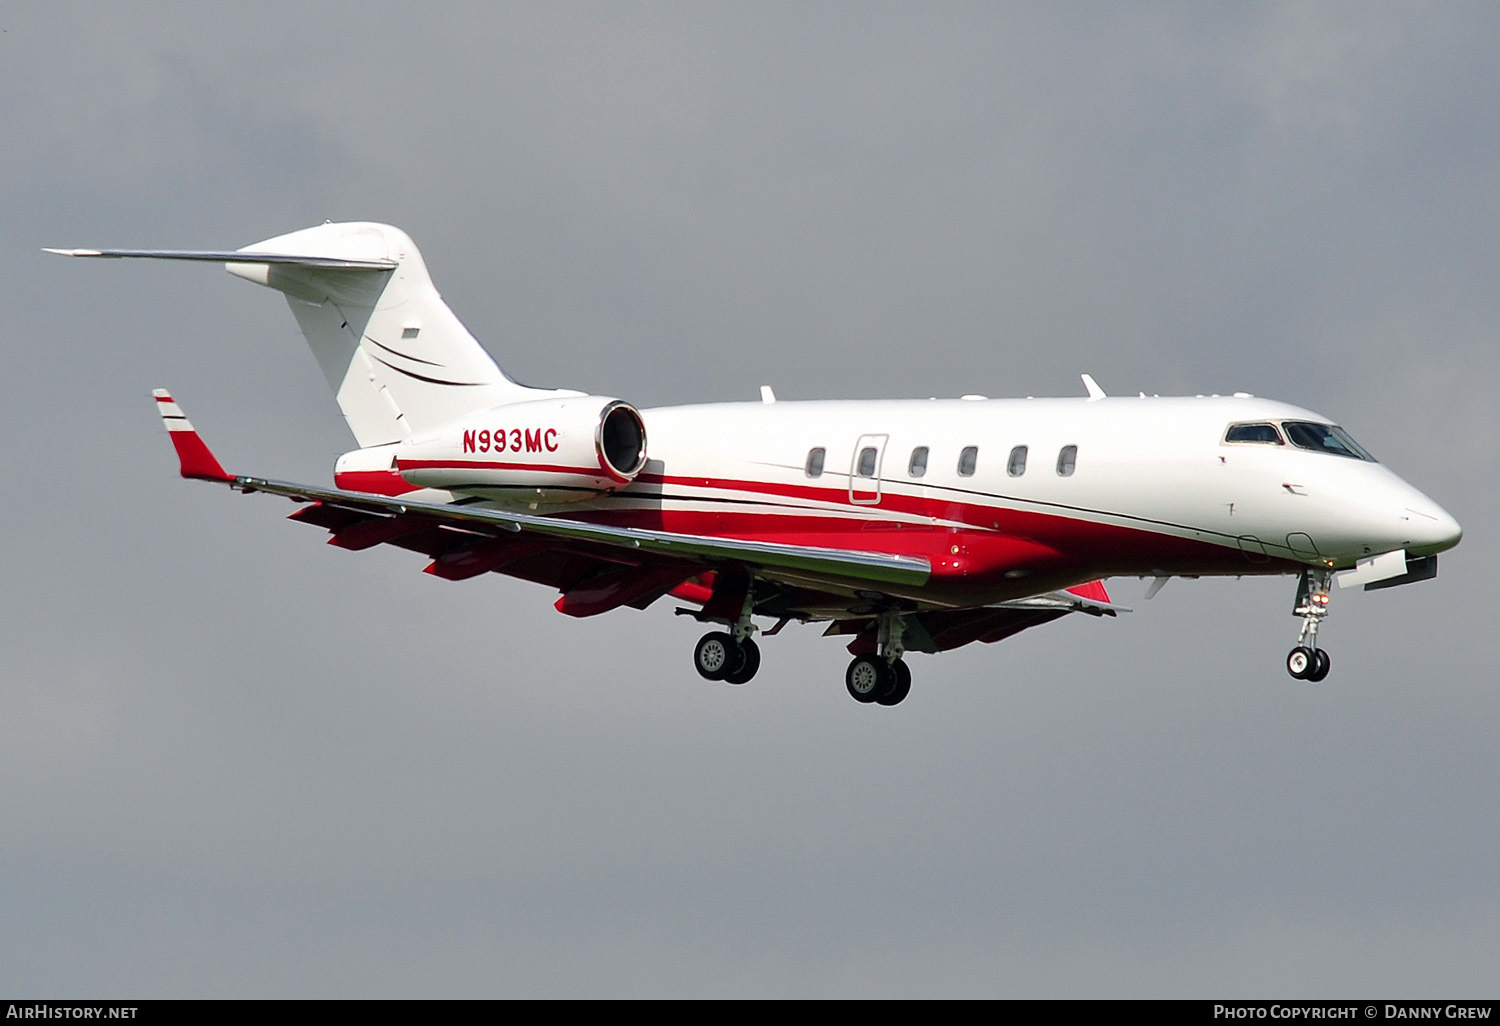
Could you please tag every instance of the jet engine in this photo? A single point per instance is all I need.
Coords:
(546, 450)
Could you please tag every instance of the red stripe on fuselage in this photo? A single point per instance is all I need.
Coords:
(541, 468)
(992, 538)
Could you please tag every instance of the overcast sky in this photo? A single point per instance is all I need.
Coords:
(235, 761)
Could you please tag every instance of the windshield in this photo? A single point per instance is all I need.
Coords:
(1328, 438)
(1261, 434)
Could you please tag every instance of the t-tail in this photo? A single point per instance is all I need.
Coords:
(398, 360)
(428, 406)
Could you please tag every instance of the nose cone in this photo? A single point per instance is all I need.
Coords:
(1430, 528)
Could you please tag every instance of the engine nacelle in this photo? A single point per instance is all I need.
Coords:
(547, 450)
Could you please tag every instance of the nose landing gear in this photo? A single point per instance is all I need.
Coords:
(1307, 661)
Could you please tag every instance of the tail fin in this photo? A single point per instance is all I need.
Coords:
(397, 359)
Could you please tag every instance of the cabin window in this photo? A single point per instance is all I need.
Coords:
(918, 465)
(1016, 465)
(1067, 459)
(815, 462)
(968, 460)
(866, 466)
(1325, 438)
(1263, 434)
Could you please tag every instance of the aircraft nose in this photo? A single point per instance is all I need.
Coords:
(1431, 528)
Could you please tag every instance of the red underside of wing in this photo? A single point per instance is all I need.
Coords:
(614, 588)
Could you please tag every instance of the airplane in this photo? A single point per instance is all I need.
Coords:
(905, 526)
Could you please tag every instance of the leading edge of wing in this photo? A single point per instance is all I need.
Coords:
(872, 567)
(230, 256)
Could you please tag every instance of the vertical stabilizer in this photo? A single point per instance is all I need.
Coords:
(396, 357)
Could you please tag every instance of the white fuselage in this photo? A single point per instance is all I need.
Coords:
(1154, 488)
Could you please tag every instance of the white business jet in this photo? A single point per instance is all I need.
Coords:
(905, 526)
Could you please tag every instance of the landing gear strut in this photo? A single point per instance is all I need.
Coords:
(884, 679)
(1307, 661)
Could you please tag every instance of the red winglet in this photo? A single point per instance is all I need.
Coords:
(195, 458)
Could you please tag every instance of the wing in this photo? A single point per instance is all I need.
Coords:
(597, 566)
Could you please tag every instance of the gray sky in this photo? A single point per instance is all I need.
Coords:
(235, 761)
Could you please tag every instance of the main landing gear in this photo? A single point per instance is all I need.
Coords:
(718, 656)
(1307, 661)
(884, 679)
(874, 679)
(730, 655)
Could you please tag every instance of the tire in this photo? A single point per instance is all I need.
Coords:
(867, 678)
(900, 684)
(1321, 664)
(714, 655)
(1300, 662)
(746, 662)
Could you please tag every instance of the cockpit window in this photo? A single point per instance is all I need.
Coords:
(1264, 434)
(1328, 438)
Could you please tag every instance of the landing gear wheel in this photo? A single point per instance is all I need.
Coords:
(714, 655)
(900, 684)
(1321, 664)
(1301, 662)
(868, 678)
(745, 662)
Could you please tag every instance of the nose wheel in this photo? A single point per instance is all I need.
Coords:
(1307, 661)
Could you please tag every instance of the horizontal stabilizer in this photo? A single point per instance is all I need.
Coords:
(231, 256)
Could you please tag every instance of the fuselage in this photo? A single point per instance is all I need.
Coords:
(1009, 496)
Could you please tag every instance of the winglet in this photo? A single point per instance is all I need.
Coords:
(1095, 392)
(196, 459)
